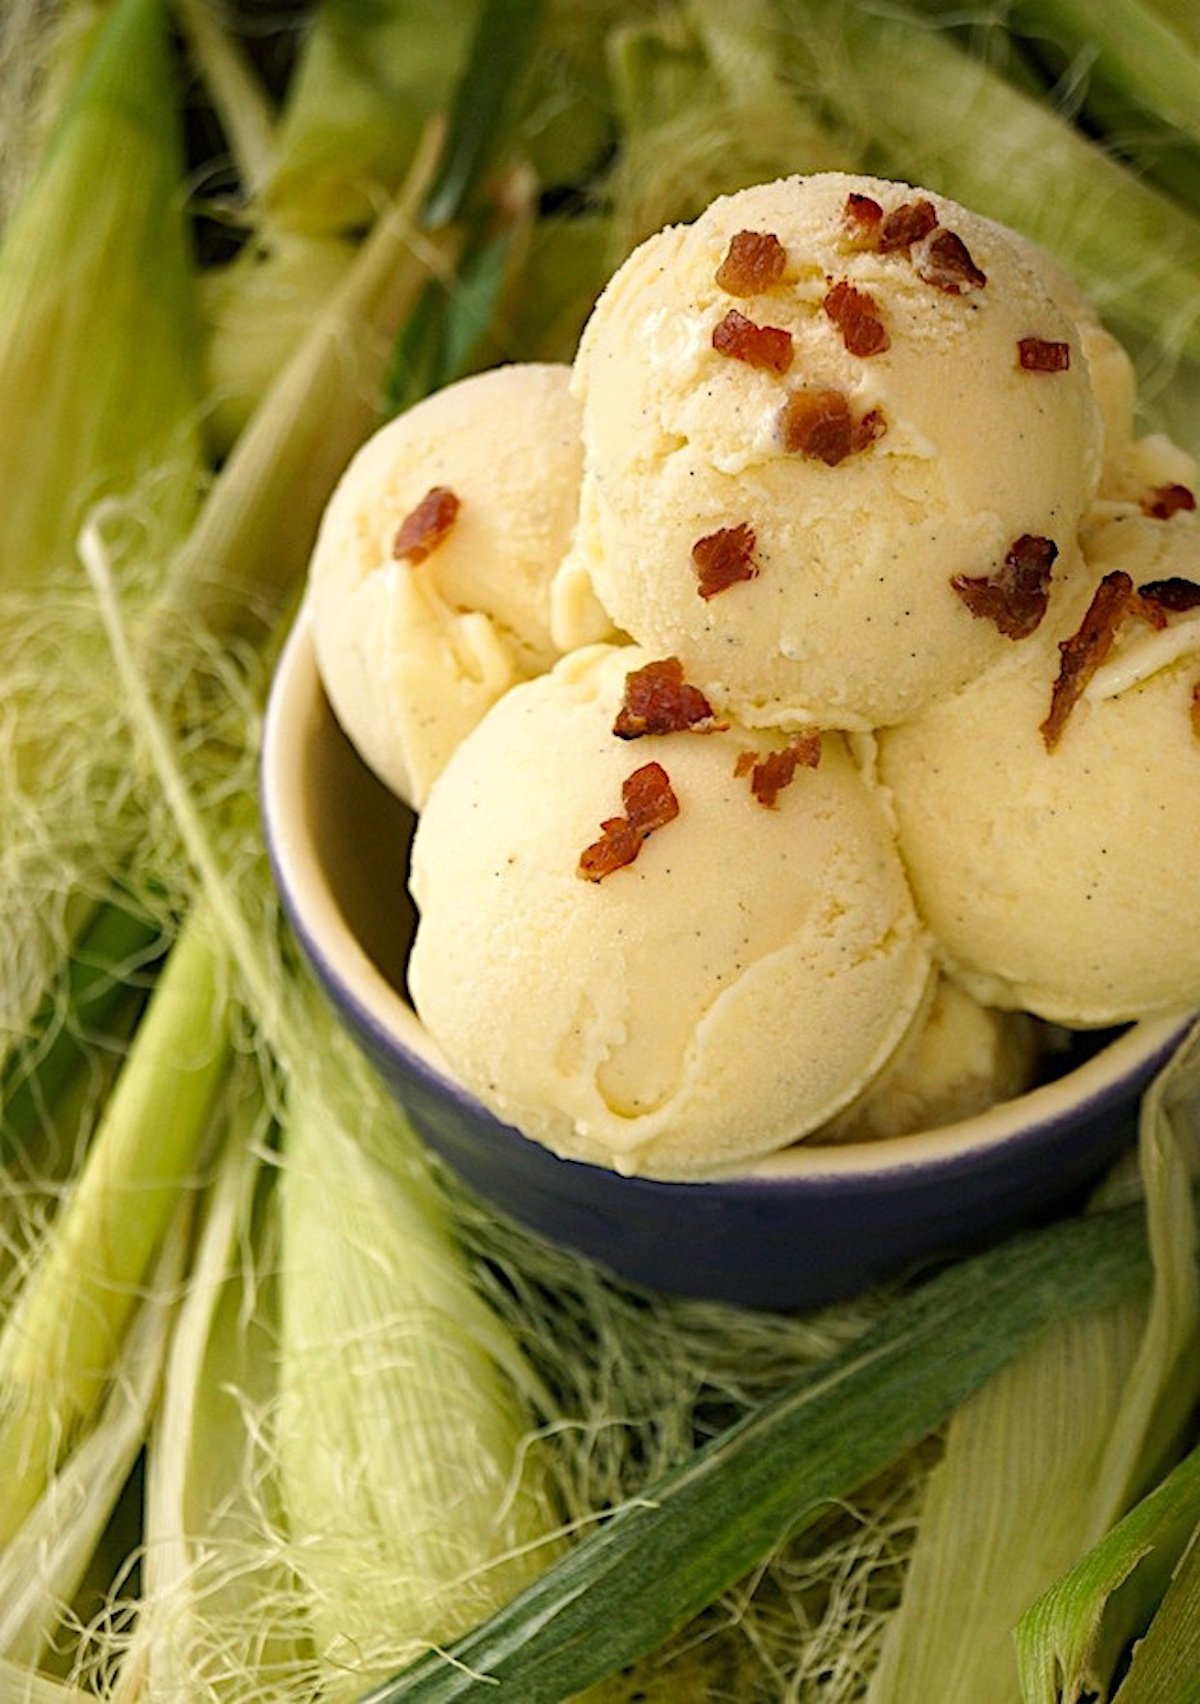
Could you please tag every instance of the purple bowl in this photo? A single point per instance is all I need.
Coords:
(799, 1229)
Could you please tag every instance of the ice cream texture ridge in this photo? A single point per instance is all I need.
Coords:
(798, 692)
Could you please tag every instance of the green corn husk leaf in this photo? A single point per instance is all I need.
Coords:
(1074, 1429)
(561, 264)
(245, 557)
(408, 1495)
(411, 1483)
(259, 305)
(44, 45)
(447, 334)
(44, 1563)
(1129, 72)
(98, 330)
(61, 1339)
(659, 1560)
(1140, 80)
(705, 108)
(48, 1086)
(910, 102)
(258, 309)
(372, 73)
(1165, 1382)
(246, 113)
(1030, 1440)
(1070, 1640)
(1182, 16)
(1166, 1662)
(98, 363)
(485, 102)
(214, 1555)
(24, 1687)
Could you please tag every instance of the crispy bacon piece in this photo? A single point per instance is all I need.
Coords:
(1167, 500)
(944, 260)
(1016, 596)
(753, 261)
(424, 528)
(861, 219)
(650, 803)
(939, 255)
(659, 701)
(906, 225)
(769, 775)
(1082, 654)
(1043, 355)
(1172, 596)
(820, 424)
(856, 315)
(766, 346)
(724, 557)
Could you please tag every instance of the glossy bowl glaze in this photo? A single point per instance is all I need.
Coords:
(805, 1227)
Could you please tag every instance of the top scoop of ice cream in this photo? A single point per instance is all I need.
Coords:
(716, 995)
(430, 580)
(871, 395)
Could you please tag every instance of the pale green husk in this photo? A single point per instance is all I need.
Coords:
(600, 1390)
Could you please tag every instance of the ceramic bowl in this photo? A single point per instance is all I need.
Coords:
(803, 1228)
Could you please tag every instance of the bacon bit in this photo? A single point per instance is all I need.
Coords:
(753, 261)
(650, 803)
(1158, 600)
(1085, 650)
(1040, 355)
(724, 557)
(943, 260)
(1173, 596)
(861, 219)
(905, 225)
(819, 424)
(421, 531)
(766, 346)
(659, 701)
(769, 775)
(1014, 598)
(856, 315)
(1167, 500)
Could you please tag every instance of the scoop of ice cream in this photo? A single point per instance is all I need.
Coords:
(430, 580)
(959, 1059)
(1155, 475)
(1110, 368)
(1052, 854)
(661, 951)
(808, 418)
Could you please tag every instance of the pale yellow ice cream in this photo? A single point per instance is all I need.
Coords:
(412, 648)
(847, 615)
(1110, 369)
(724, 994)
(959, 1059)
(1064, 880)
(855, 460)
